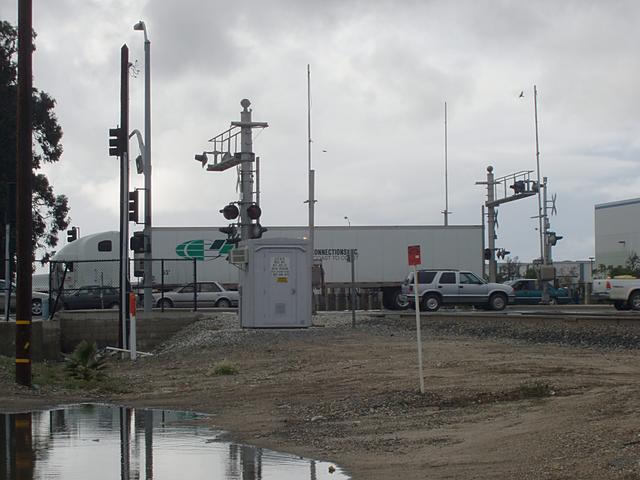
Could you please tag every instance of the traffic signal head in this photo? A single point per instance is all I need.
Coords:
(72, 234)
(136, 242)
(487, 254)
(254, 211)
(116, 142)
(230, 212)
(133, 206)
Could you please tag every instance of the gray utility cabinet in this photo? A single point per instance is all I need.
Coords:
(275, 283)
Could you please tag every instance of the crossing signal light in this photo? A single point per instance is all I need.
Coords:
(136, 242)
(72, 234)
(116, 142)
(133, 206)
(487, 254)
(553, 237)
(232, 233)
(519, 187)
(254, 211)
(230, 212)
(256, 230)
(501, 253)
(202, 158)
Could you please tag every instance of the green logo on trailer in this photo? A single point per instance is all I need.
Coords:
(203, 249)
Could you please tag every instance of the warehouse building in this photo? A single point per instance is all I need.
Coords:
(617, 231)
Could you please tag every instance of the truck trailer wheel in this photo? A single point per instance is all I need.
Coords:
(634, 300)
(392, 299)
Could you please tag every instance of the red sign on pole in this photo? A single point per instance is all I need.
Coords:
(414, 255)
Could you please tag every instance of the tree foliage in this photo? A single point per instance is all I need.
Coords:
(50, 211)
(631, 268)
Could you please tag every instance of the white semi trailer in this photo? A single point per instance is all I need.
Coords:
(381, 254)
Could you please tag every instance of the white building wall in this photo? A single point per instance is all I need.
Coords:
(617, 231)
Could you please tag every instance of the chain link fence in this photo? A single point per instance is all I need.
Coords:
(95, 284)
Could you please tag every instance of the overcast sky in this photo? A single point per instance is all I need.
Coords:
(381, 72)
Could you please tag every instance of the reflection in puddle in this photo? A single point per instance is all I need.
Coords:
(97, 442)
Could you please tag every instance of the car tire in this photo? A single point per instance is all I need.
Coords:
(621, 305)
(634, 300)
(497, 301)
(223, 303)
(36, 307)
(165, 303)
(431, 302)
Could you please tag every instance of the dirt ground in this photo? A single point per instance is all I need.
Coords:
(495, 406)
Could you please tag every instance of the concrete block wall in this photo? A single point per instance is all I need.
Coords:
(102, 327)
(50, 339)
(45, 340)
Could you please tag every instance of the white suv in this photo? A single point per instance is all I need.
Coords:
(453, 287)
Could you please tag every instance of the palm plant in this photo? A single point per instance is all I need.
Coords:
(85, 363)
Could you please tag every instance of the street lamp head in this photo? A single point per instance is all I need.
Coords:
(142, 27)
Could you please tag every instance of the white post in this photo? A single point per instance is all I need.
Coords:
(418, 333)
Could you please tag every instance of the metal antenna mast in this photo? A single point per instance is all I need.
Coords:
(542, 212)
(446, 173)
(311, 199)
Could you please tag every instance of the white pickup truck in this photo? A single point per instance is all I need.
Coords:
(624, 293)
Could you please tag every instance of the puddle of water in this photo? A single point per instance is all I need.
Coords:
(104, 442)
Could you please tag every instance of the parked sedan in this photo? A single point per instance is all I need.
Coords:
(529, 292)
(91, 297)
(210, 294)
(37, 299)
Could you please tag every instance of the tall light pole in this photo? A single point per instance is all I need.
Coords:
(446, 211)
(147, 279)
(312, 181)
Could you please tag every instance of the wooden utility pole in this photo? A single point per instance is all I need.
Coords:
(24, 165)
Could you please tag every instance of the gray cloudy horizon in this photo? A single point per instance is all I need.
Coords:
(381, 72)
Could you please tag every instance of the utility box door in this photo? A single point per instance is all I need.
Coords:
(281, 285)
(276, 286)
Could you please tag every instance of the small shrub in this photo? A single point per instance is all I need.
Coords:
(225, 367)
(535, 390)
(85, 363)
